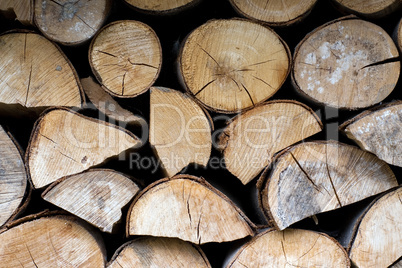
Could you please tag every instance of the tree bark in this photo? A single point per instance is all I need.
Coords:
(21, 9)
(161, 7)
(372, 9)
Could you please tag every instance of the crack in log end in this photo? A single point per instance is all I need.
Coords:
(206, 85)
(305, 173)
(28, 87)
(329, 176)
(68, 157)
(106, 53)
(209, 55)
(390, 60)
(141, 64)
(47, 138)
(248, 93)
(29, 252)
(25, 47)
(122, 83)
(89, 26)
(265, 82)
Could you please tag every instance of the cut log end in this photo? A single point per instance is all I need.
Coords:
(372, 9)
(160, 6)
(22, 10)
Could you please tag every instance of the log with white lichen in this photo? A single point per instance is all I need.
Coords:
(319, 176)
(369, 8)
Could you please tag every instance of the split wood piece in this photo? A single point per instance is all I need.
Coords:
(291, 248)
(14, 190)
(179, 131)
(252, 138)
(347, 63)
(71, 22)
(378, 235)
(51, 241)
(100, 193)
(379, 131)
(64, 143)
(21, 9)
(161, 6)
(274, 13)
(188, 208)
(126, 58)
(398, 35)
(372, 9)
(107, 105)
(36, 73)
(319, 176)
(158, 252)
(232, 65)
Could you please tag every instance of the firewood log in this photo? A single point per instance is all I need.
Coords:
(232, 65)
(372, 9)
(179, 130)
(188, 208)
(319, 176)
(158, 252)
(378, 235)
(251, 139)
(291, 248)
(379, 131)
(51, 241)
(398, 35)
(274, 13)
(100, 193)
(126, 57)
(21, 9)
(160, 7)
(64, 142)
(347, 63)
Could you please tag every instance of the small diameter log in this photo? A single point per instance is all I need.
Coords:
(64, 142)
(161, 6)
(232, 65)
(379, 131)
(291, 248)
(252, 138)
(100, 193)
(36, 73)
(378, 235)
(276, 12)
(13, 179)
(51, 241)
(22, 10)
(347, 63)
(319, 176)
(372, 9)
(158, 252)
(188, 208)
(70, 22)
(126, 57)
(179, 131)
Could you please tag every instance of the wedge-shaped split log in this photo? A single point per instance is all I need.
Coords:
(319, 176)
(379, 131)
(22, 10)
(188, 208)
(159, 252)
(347, 63)
(51, 241)
(64, 143)
(291, 248)
(232, 65)
(378, 235)
(179, 131)
(96, 195)
(252, 138)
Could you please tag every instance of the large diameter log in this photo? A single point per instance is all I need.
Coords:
(379, 131)
(372, 9)
(14, 189)
(232, 65)
(318, 176)
(378, 236)
(36, 73)
(21, 9)
(126, 57)
(64, 142)
(274, 13)
(179, 131)
(158, 252)
(70, 22)
(188, 208)
(100, 193)
(161, 6)
(291, 248)
(347, 63)
(51, 241)
(252, 138)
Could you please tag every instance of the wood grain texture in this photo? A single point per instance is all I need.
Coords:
(188, 208)
(158, 252)
(319, 176)
(126, 57)
(179, 131)
(251, 139)
(21, 9)
(291, 248)
(64, 142)
(161, 6)
(347, 63)
(232, 65)
(369, 8)
(398, 35)
(96, 196)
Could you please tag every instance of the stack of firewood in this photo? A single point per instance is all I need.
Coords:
(198, 133)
